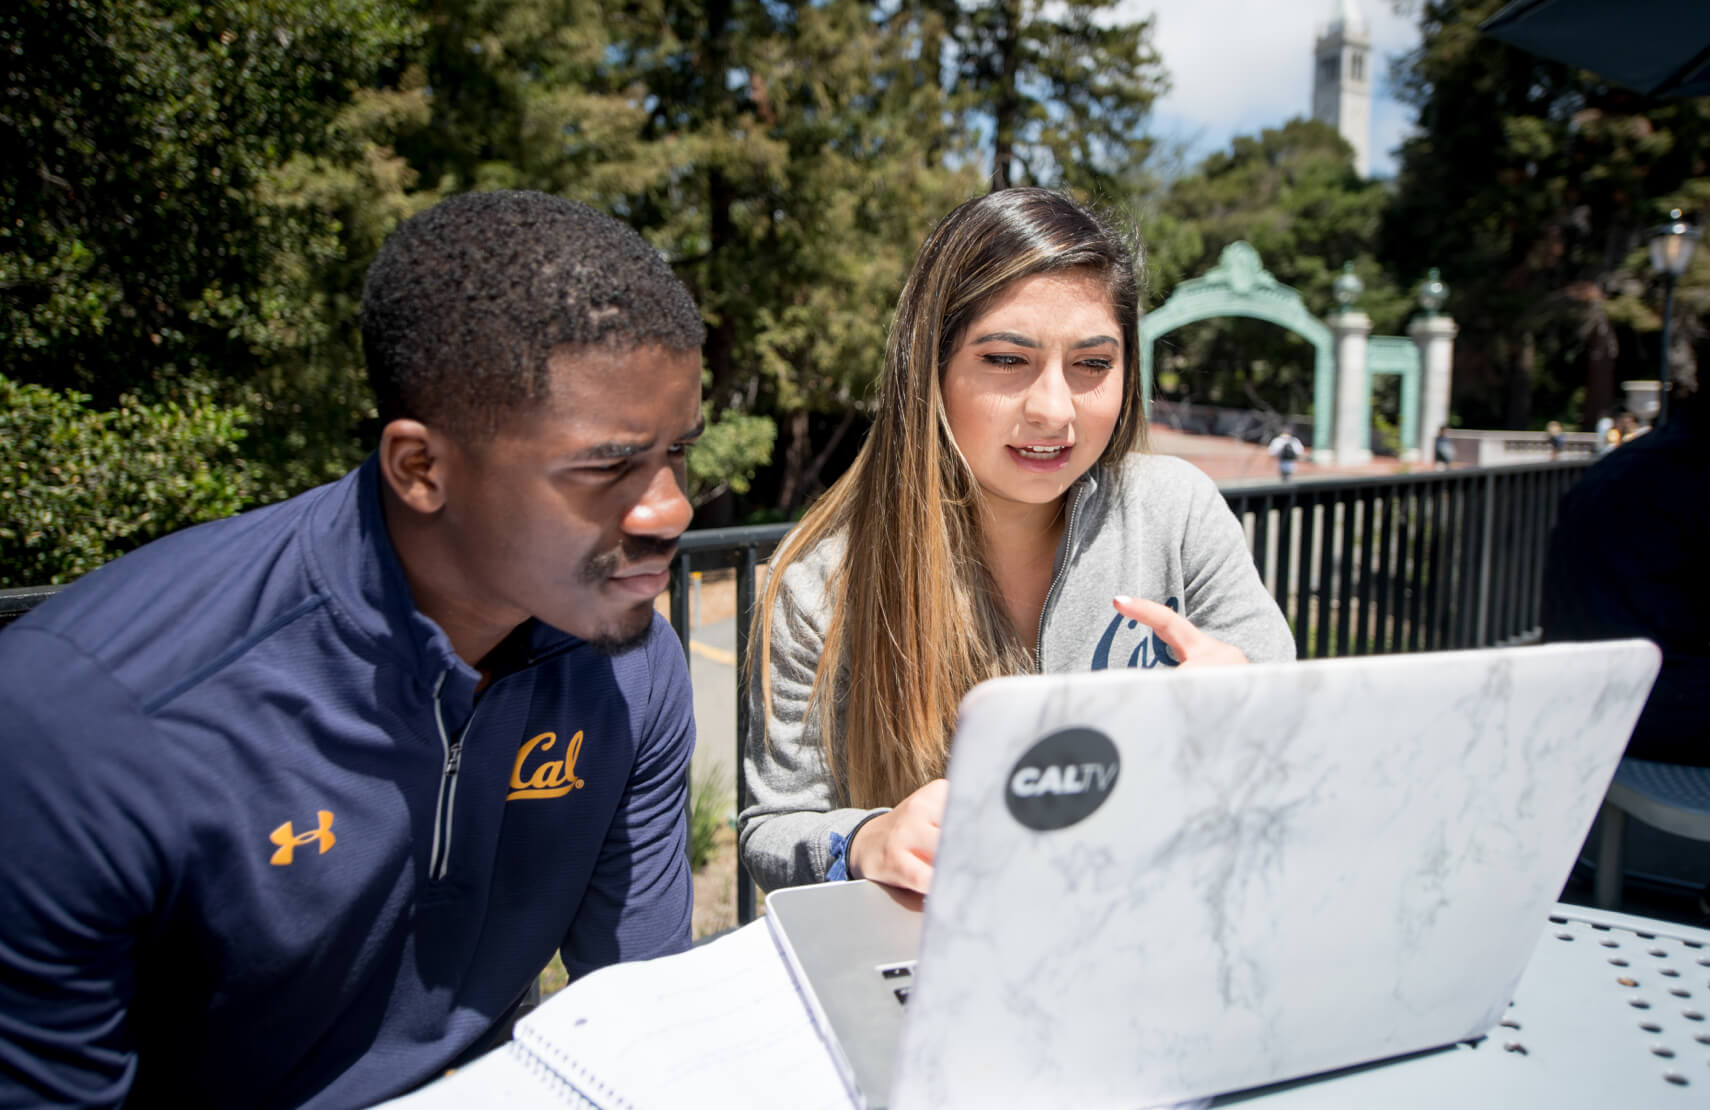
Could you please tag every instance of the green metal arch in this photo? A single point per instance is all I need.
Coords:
(1239, 285)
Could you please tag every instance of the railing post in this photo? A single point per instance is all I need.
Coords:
(680, 580)
(1487, 494)
(744, 616)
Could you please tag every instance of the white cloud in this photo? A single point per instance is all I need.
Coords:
(1238, 66)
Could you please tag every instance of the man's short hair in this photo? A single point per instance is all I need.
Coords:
(467, 301)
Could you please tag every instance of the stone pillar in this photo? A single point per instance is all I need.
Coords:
(1435, 336)
(1350, 438)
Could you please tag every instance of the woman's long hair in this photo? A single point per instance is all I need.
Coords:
(915, 620)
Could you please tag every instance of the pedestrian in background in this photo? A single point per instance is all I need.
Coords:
(1444, 449)
(1287, 450)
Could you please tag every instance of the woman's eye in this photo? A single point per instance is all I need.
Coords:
(1003, 360)
(1099, 364)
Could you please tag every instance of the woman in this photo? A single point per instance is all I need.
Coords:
(1000, 506)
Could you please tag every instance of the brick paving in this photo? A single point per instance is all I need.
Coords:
(1234, 462)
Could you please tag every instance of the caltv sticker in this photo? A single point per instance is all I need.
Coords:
(1062, 779)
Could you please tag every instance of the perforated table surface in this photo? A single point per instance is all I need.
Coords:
(1613, 1011)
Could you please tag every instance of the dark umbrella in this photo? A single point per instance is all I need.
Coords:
(1660, 47)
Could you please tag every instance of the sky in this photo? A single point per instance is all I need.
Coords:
(1239, 66)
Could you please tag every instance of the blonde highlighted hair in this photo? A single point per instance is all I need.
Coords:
(915, 620)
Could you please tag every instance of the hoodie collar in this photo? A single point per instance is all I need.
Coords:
(356, 567)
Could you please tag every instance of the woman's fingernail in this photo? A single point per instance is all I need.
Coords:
(1122, 600)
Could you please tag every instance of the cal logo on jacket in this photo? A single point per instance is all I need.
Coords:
(542, 770)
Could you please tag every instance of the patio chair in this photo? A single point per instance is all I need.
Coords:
(1669, 796)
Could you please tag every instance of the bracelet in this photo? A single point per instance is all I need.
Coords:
(838, 871)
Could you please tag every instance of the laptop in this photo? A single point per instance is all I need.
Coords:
(1156, 887)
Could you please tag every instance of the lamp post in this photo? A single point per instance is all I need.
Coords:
(1433, 293)
(1671, 250)
(1347, 287)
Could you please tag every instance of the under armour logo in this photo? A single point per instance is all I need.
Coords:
(287, 838)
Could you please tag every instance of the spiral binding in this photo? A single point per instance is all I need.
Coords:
(549, 1073)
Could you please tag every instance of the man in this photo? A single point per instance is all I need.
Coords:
(1628, 557)
(297, 804)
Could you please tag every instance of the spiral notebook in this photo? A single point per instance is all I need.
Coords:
(720, 1026)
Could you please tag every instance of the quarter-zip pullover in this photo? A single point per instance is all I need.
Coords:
(269, 847)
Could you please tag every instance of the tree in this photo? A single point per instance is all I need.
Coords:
(1064, 88)
(1531, 185)
(154, 241)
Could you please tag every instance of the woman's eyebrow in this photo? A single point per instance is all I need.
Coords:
(1024, 341)
(1007, 337)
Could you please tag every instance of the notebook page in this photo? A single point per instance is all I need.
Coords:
(509, 1076)
(719, 1026)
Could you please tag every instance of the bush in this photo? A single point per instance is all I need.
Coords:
(80, 486)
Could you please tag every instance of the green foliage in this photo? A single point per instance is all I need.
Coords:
(1067, 85)
(79, 486)
(728, 453)
(709, 814)
(1532, 186)
(202, 187)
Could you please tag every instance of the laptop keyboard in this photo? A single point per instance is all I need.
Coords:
(899, 977)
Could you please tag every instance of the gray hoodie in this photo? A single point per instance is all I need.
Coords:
(1162, 531)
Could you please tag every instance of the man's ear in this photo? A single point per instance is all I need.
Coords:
(413, 458)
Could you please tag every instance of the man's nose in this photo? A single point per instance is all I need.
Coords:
(664, 511)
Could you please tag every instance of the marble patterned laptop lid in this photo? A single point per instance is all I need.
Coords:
(1154, 886)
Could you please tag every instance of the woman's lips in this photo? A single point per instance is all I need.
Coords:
(1041, 458)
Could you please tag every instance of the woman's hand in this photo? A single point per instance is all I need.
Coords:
(897, 848)
(1187, 643)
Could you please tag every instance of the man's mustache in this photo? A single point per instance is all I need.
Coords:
(634, 549)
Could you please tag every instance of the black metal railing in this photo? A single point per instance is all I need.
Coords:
(1415, 562)
(743, 549)
(14, 603)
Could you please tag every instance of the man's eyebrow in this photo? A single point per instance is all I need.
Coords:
(614, 449)
(625, 449)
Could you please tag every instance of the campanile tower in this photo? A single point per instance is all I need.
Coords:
(1342, 80)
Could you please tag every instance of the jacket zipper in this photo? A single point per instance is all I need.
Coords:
(1056, 580)
(439, 857)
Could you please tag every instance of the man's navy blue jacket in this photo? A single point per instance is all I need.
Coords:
(264, 845)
